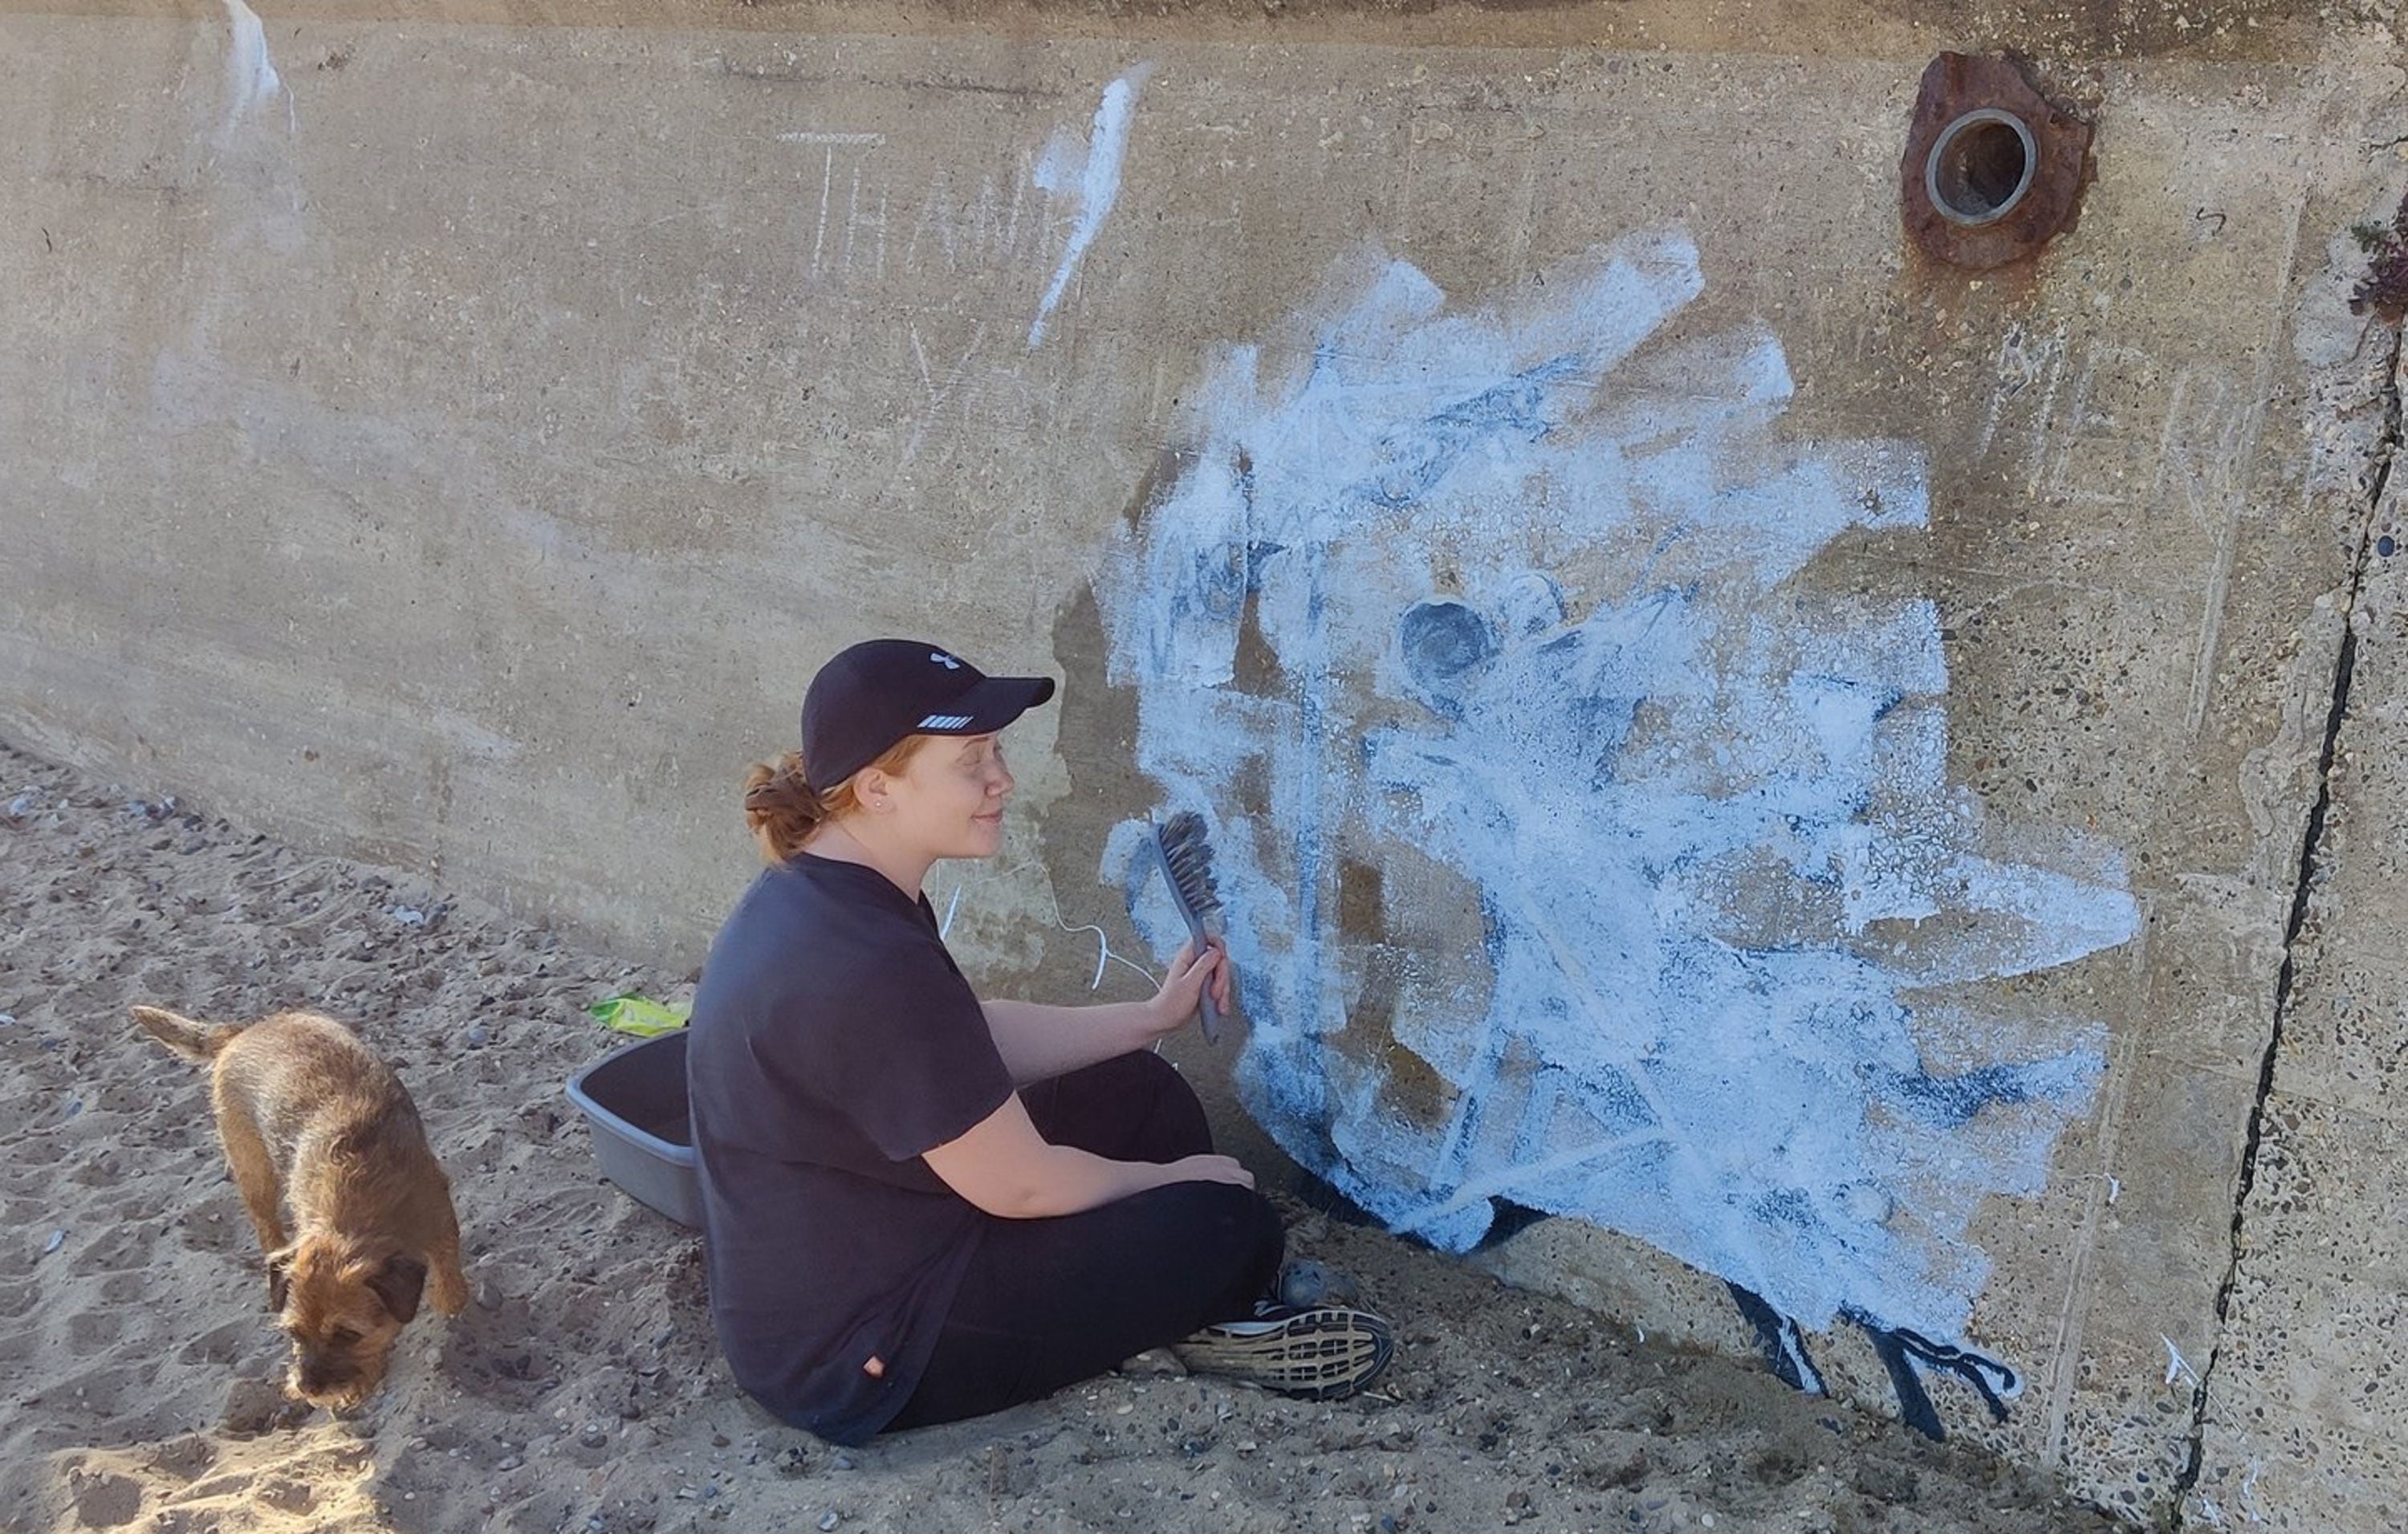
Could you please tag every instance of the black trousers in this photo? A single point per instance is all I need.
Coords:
(1049, 1302)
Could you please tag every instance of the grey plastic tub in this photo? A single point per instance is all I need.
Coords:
(636, 1101)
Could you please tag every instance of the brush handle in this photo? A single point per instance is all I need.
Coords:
(1211, 1018)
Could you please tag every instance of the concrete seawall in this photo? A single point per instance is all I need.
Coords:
(1815, 800)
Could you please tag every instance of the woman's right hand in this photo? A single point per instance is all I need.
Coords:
(1209, 1169)
(1190, 972)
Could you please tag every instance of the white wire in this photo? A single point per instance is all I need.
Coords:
(1104, 955)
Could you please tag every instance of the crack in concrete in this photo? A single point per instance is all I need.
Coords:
(2387, 448)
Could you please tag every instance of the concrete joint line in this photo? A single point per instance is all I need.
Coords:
(2387, 449)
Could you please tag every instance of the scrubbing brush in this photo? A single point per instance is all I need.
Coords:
(1186, 859)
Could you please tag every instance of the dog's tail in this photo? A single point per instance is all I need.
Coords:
(195, 1040)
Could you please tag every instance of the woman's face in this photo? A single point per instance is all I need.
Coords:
(948, 802)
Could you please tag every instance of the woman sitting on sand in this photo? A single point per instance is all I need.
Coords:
(920, 1206)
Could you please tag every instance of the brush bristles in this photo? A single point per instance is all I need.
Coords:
(1189, 857)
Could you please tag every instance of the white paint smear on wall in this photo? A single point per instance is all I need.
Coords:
(1500, 607)
(1090, 177)
(255, 175)
(250, 75)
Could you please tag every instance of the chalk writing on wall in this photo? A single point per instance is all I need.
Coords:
(1492, 622)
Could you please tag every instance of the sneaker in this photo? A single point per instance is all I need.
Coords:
(1321, 1353)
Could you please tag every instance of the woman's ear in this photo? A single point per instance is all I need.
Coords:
(874, 790)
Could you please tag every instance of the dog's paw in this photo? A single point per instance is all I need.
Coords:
(449, 1292)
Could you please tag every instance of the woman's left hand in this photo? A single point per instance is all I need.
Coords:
(1174, 1005)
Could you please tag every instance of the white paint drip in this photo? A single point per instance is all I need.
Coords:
(1793, 1348)
(250, 75)
(1523, 654)
(2177, 1366)
(1093, 181)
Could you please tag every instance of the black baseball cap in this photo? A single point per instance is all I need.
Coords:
(873, 695)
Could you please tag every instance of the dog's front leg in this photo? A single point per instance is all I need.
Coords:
(446, 1284)
(254, 1174)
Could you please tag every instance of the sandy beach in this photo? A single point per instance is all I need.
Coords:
(583, 1391)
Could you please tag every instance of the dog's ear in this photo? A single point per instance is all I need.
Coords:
(279, 1278)
(398, 1282)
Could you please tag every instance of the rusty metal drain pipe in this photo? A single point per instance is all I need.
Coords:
(1993, 170)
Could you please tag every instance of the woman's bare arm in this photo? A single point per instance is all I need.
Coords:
(1037, 1041)
(1007, 1168)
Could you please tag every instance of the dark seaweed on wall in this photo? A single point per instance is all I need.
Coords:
(1900, 1349)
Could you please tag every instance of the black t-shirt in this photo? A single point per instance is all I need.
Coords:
(833, 1042)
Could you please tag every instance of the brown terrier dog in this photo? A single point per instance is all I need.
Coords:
(312, 1119)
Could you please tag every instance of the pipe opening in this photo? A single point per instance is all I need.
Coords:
(1981, 167)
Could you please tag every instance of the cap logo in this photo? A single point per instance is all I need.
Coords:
(943, 721)
(944, 660)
